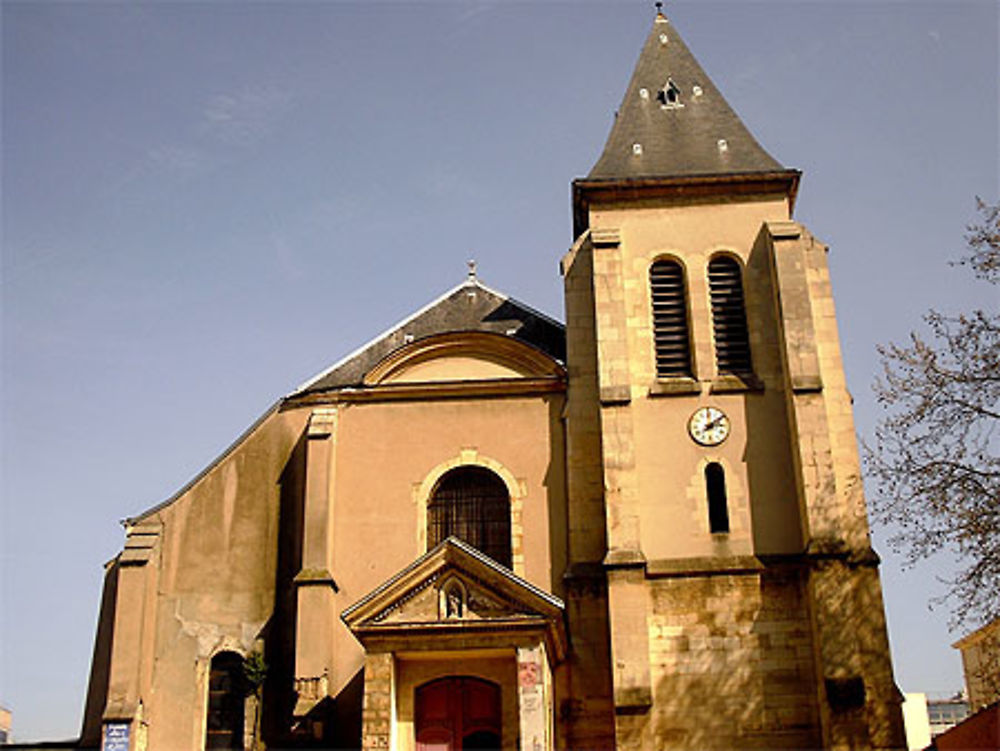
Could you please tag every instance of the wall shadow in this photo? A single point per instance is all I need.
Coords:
(279, 643)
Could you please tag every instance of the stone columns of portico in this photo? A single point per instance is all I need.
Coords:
(378, 708)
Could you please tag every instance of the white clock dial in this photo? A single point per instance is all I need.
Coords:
(709, 426)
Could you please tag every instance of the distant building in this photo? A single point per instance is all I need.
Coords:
(981, 665)
(4, 725)
(926, 719)
(980, 732)
(944, 714)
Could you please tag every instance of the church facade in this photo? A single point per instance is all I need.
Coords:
(641, 529)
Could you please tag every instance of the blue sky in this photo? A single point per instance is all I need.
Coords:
(204, 204)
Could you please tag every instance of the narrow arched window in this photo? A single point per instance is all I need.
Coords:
(224, 724)
(472, 503)
(729, 317)
(671, 338)
(718, 506)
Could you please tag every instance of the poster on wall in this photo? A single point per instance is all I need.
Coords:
(116, 736)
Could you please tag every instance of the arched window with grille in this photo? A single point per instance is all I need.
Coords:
(472, 504)
(671, 336)
(729, 317)
(718, 504)
(224, 724)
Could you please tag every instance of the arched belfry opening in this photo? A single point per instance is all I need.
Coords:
(472, 503)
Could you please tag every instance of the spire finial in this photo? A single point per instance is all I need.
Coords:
(471, 263)
(659, 7)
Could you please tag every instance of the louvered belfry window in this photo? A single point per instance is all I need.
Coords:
(670, 320)
(729, 317)
(472, 503)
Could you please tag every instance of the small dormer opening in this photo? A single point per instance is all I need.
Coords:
(669, 96)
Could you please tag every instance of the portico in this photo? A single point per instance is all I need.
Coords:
(459, 654)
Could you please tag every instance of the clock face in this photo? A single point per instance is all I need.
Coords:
(709, 426)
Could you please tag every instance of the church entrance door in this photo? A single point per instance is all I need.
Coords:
(458, 714)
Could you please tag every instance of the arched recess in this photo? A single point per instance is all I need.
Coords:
(516, 490)
(225, 710)
(718, 504)
(737, 498)
(498, 356)
(458, 713)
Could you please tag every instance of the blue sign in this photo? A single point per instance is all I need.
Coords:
(116, 736)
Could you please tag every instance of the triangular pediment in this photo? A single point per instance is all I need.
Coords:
(454, 587)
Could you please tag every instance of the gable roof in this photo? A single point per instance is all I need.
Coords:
(674, 122)
(470, 306)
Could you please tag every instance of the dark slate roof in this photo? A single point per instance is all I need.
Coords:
(471, 306)
(681, 138)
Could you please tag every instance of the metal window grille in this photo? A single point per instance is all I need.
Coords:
(670, 321)
(729, 318)
(472, 503)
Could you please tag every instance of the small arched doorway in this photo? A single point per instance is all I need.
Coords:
(226, 698)
(458, 714)
(472, 503)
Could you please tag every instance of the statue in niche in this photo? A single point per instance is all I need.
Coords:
(453, 600)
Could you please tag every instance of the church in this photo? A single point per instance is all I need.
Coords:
(640, 528)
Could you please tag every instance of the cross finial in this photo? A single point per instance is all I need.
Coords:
(472, 269)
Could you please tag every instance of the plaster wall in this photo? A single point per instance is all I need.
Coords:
(380, 515)
(216, 592)
(219, 575)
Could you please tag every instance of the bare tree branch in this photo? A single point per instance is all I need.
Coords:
(935, 453)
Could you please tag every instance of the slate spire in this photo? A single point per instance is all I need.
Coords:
(674, 122)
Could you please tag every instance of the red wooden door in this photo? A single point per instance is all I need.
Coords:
(458, 714)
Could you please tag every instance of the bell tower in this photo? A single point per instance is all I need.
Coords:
(722, 590)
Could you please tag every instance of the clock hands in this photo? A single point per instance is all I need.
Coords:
(709, 426)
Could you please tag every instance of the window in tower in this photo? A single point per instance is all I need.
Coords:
(671, 337)
(472, 504)
(729, 318)
(718, 506)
